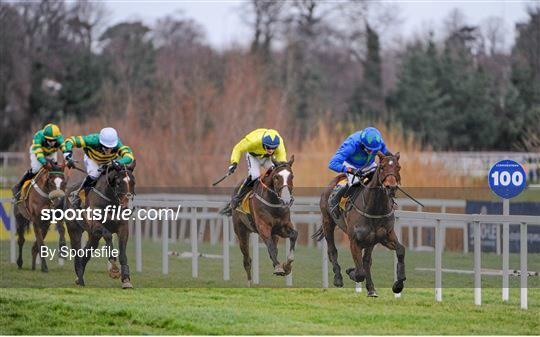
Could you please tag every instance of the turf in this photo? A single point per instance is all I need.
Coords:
(178, 304)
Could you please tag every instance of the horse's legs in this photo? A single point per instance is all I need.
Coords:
(289, 232)
(367, 268)
(357, 273)
(44, 231)
(36, 248)
(21, 223)
(243, 239)
(62, 233)
(394, 244)
(265, 232)
(75, 234)
(328, 227)
(112, 267)
(123, 236)
(93, 242)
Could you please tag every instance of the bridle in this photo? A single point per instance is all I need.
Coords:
(38, 189)
(276, 193)
(389, 191)
(118, 196)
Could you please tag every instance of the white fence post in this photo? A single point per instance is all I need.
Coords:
(324, 252)
(174, 230)
(465, 238)
(505, 252)
(523, 264)
(477, 264)
(155, 234)
(438, 261)
(288, 278)
(193, 234)
(226, 258)
(419, 241)
(255, 259)
(147, 225)
(12, 234)
(165, 246)
(138, 245)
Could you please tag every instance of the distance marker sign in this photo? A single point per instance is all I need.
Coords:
(507, 179)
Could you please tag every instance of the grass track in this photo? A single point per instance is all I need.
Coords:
(210, 306)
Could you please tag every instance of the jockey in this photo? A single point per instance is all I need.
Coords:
(357, 153)
(99, 150)
(259, 146)
(44, 147)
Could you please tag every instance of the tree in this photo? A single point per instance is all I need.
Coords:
(368, 97)
(418, 101)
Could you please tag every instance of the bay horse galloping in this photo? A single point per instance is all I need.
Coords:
(115, 187)
(45, 190)
(269, 215)
(367, 219)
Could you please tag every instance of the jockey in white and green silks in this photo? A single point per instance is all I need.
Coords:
(99, 150)
(46, 143)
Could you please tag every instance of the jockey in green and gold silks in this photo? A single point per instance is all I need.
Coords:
(259, 146)
(99, 150)
(46, 143)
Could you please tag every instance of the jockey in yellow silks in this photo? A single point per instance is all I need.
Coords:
(259, 147)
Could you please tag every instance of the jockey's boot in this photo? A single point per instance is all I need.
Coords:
(88, 183)
(334, 201)
(244, 189)
(17, 188)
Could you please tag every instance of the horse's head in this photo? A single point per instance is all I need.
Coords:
(54, 180)
(122, 182)
(388, 171)
(280, 178)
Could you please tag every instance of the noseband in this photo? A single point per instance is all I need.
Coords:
(282, 203)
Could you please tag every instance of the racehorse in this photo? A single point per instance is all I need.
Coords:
(45, 190)
(368, 219)
(115, 187)
(269, 215)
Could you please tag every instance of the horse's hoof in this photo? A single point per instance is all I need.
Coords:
(249, 284)
(114, 272)
(279, 271)
(287, 267)
(44, 269)
(398, 286)
(127, 285)
(372, 293)
(354, 276)
(338, 281)
(79, 283)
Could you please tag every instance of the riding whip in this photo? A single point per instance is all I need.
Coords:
(222, 178)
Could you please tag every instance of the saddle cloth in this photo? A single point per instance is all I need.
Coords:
(343, 202)
(244, 205)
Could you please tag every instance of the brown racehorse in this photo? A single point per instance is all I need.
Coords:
(115, 187)
(369, 219)
(46, 190)
(269, 216)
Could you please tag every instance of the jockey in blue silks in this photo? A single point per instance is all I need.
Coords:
(356, 155)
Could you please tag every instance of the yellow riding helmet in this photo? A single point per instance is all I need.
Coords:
(51, 131)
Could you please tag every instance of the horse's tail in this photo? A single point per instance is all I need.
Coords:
(319, 234)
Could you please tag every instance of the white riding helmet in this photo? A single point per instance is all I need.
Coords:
(108, 137)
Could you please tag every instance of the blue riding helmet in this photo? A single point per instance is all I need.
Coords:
(269, 142)
(371, 139)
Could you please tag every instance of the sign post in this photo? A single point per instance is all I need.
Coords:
(507, 179)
